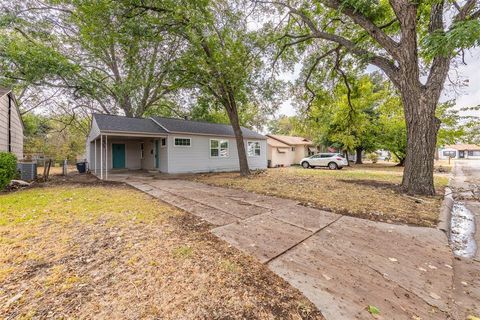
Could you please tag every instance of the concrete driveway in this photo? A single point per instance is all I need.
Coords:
(342, 264)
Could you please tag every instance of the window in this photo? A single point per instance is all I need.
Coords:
(474, 153)
(253, 148)
(163, 142)
(141, 150)
(293, 148)
(450, 154)
(219, 148)
(182, 142)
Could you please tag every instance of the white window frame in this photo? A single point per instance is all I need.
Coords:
(219, 149)
(178, 146)
(165, 145)
(248, 149)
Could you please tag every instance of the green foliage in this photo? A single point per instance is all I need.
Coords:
(461, 35)
(373, 310)
(56, 137)
(8, 168)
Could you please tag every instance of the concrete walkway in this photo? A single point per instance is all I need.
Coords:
(340, 263)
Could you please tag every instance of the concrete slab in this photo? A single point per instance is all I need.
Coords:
(354, 263)
(304, 217)
(262, 236)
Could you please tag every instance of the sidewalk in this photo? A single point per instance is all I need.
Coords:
(465, 185)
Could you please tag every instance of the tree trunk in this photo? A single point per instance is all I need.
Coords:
(359, 151)
(422, 128)
(345, 153)
(242, 155)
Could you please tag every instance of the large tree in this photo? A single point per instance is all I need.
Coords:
(409, 41)
(108, 60)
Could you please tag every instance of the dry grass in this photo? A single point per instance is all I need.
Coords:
(368, 191)
(99, 251)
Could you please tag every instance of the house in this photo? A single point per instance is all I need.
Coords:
(168, 145)
(11, 125)
(284, 151)
(460, 151)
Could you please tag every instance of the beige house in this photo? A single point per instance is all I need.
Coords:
(460, 151)
(284, 151)
(11, 125)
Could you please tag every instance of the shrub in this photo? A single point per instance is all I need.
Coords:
(8, 168)
(373, 156)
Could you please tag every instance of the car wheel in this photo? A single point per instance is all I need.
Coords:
(305, 164)
(332, 166)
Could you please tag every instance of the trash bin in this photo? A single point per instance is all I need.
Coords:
(269, 163)
(81, 167)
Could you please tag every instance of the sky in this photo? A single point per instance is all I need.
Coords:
(467, 95)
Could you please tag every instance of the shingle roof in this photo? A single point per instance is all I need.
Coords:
(4, 91)
(276, 144)
(199, 127)
(120, 123)
(290, 140)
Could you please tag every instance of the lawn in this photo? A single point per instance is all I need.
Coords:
(108, 251)
(368, 191)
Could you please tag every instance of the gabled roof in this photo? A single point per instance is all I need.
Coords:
(291, 140)
(173, 125)
(463, 147)
(125, 124)
(276, 144)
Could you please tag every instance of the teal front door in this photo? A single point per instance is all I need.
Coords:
(118, 156)
(157, 155)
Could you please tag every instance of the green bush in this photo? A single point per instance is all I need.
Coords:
(8, 168)
(373, 156)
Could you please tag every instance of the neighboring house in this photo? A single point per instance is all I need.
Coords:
(168, 145)
(460, 151)
(284, 151)
(11, 125)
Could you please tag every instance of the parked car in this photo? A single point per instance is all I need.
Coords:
(333, 161)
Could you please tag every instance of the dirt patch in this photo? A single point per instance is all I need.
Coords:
(369, 192)
(72, 251)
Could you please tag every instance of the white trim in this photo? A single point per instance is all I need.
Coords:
(95, 157)
(101, 157)
(106, 157)
(219, 142)
(254, 155)
(166, 142)
(175, 146)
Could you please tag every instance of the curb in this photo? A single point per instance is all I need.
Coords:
(445, 216)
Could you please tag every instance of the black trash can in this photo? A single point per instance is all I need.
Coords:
(81, 167)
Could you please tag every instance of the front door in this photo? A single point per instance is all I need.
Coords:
(157, 154)
(118, 156)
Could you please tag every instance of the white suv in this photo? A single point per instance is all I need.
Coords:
(333, 161)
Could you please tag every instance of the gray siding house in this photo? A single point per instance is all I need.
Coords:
(167, 145)
(11, 125)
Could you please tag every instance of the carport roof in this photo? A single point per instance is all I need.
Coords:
(125, 124)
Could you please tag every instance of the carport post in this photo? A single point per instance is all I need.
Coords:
(106, 157)
(95, 158)
(101, 157)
